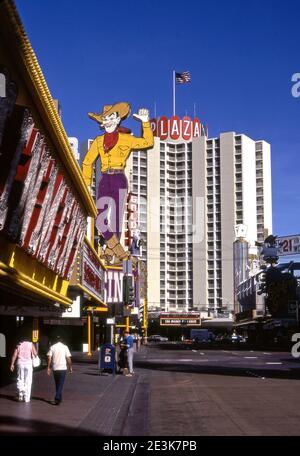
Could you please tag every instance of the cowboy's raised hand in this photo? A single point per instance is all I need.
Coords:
(142, 115)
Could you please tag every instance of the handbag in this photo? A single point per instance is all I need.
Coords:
(36, 362)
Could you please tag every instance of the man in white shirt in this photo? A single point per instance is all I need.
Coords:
(59, 358)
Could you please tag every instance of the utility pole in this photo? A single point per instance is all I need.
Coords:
(145, 319)
(89, 325)
(128, 291)
(127, 323)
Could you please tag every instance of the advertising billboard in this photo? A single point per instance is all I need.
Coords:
(288, 245)
(180, 319)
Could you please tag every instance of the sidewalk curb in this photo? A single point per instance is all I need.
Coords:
(108, 415)
(137, 422)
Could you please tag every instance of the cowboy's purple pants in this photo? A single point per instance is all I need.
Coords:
(111, 198)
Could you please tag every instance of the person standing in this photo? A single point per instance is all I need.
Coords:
(59, 359)
(128, 341)
(123, 359)
(23, 355)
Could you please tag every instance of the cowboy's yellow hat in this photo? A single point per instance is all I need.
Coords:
(122, 108)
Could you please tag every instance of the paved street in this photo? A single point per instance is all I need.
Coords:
(173, 392)
(223, 393)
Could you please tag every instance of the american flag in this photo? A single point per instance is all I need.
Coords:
(183, 78)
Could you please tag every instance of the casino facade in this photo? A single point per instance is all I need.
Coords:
(44, 202)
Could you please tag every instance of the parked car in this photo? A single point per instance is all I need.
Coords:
(237, 338)
(157, 338)
(220, 338)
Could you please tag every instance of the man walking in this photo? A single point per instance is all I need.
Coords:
(59, 357)
(128, 341)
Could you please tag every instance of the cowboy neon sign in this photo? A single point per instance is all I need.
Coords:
(176, 128)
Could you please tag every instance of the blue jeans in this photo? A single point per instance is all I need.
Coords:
(59, 377)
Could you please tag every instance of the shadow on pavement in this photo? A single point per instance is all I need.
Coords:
(41, 399)
(291, 374)
(13, 398)
(10, 426)
(92, 374)
(84, 361)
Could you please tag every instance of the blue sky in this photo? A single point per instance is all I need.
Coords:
(241, 56)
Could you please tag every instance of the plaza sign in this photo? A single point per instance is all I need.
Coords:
(176, 128)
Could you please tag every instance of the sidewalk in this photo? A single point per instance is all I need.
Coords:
(92, 404)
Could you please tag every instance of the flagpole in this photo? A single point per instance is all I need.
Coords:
(174, 95)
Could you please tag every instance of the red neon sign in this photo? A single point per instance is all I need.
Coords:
(176, 128)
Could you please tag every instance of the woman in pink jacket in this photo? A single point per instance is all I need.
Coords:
(23, 355)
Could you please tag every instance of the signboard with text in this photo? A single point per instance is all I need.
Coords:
(132, 234)
(182, 319)
(92, 272)
(288, 245)
(113, 286)
(176, 128)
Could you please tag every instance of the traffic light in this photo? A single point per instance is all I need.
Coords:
(131, 295)
(125, 290)
(128, 291)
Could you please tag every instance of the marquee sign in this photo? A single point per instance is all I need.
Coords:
(92, 272)
(132, 217)
(288, 245)
(132, 212)
(176, 128)
(180, 319)
(113, 286)
(38, 210)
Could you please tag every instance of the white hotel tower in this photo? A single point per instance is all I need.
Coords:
(192, 194)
